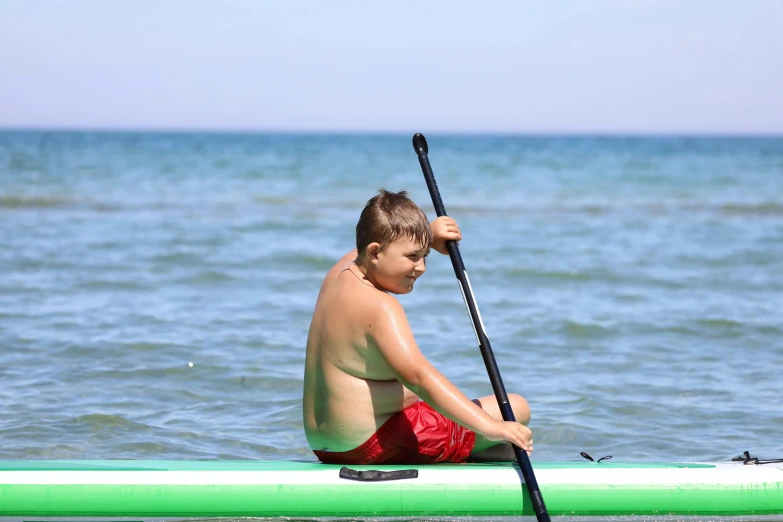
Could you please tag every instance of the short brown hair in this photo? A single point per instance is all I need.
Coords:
(389, 216)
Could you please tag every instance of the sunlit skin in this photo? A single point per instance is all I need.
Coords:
(363, 364)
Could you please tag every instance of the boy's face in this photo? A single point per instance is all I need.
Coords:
(397, 267)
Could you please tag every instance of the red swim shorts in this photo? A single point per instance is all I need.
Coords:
(416, 435)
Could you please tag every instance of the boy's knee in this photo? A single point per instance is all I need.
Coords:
(521, 408)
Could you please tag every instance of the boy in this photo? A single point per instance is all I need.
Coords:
(364, 374)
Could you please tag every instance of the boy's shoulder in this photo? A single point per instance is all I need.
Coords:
(388, 319)
(376, 300)
(376, 303)
(388, 304)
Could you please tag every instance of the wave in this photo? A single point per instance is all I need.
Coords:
(276, 200)
(319, 208)
(580, 330)
(653, 209)
(98, 420)
(207, 277)
(753, 209)
(720, 324)
(103, 284)
(555, 275)
(316, 261)
(23, 202)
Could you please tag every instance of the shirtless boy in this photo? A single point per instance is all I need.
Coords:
(370, 395)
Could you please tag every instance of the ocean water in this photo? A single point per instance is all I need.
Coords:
(156, 289)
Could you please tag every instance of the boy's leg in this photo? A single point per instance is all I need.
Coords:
(493, 451)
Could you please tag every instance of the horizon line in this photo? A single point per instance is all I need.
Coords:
(376, 132)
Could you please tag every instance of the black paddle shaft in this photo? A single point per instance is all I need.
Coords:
(420, 146)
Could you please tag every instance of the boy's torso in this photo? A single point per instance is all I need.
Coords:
(349, 388)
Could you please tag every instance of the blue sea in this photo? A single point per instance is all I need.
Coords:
(156, 288)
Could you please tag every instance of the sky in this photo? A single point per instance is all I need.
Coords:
(587, 66)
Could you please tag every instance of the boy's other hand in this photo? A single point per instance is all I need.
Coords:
(512, 432)
(444, 229)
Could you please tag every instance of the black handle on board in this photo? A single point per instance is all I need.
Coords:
(420, 146)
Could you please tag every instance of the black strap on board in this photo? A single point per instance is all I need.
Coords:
(591, 459)
(746, 459)
(373, 475)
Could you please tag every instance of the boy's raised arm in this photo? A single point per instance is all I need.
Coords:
(394, 338)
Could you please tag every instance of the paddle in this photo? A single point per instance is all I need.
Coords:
(420, 146)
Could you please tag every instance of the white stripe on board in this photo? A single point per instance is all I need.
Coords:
(220, 478)
(722, 475)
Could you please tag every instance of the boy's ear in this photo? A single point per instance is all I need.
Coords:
(373, 249)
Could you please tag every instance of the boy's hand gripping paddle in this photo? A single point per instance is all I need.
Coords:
(420, 146)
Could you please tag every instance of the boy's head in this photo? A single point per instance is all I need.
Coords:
(390, 216)
(393, 238)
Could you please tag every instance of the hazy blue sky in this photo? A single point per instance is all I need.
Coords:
(566, 66)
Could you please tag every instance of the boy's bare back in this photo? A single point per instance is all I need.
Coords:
(349, 390)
